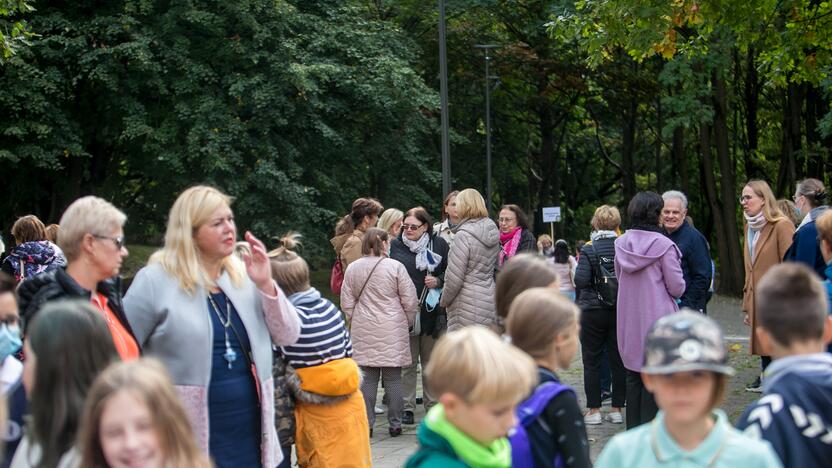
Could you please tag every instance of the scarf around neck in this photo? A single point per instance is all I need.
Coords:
(756, 223)
(425, 258)
(595, 235)
(510, 241)
(471, 452)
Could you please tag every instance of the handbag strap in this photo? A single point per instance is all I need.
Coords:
(358, 299)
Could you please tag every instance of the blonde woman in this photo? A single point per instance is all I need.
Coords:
(391, 221)
(468, 293)
(136, 398)
(92, 238)
(768, 236)
(212, 319)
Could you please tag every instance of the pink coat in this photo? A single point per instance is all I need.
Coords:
(381, 317)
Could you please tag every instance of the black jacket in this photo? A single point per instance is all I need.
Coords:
(527, 242)
(402, 254)
(37, 291)
(696, 265)
(587, 297)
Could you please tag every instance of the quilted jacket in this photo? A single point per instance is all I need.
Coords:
(468, 294)
(381, 317)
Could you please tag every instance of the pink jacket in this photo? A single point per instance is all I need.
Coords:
(381, 317)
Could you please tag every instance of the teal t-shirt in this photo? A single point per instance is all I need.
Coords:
(651, 445)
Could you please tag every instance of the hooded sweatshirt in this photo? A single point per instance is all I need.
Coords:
(468, 293)
(795, 413)
(36, 256)
(648, 266)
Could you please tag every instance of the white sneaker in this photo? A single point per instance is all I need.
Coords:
(614, 417)
(593, 419)
(378, 410)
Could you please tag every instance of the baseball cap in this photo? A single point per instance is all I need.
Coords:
(685, 341)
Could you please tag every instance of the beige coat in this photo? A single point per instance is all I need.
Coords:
(772, 243)
(348, 247)
(381, 317)
(468, 293)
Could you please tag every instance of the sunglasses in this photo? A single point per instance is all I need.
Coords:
(118, 241)
(411, 227)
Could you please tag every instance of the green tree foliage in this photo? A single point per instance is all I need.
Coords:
(14, 32)
(293, 107)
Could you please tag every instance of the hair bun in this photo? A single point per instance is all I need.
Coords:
(290, 241)
(820, 196)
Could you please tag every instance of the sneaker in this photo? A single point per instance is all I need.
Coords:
(593, 419)
(407, 417)
(614, 417)
(378, 410)
(756, 386)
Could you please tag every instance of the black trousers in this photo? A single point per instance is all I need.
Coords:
(597, 330)
(641, 406)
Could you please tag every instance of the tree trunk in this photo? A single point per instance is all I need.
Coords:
(725, 270)
(628, 149)
(680, 161)
(752, 99)
(791, 147)
(659, 126)
(734, 283)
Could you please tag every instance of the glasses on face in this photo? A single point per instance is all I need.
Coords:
(118, 241)
(794, 198)
(745, 198)
(506, 220)
(411, 227)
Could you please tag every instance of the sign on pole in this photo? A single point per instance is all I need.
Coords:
(551, 214)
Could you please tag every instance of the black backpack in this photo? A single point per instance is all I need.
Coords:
(606, 283)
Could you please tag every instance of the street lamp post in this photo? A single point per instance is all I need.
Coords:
(443, 93)
(489, 193)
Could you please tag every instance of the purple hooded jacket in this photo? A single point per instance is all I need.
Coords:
(648, 266)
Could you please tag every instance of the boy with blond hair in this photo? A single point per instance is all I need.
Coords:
(478, 380)
(795, 413)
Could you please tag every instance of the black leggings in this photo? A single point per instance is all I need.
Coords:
(598, 329)
(641, 406)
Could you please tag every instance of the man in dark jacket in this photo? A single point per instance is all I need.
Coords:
(696, 256)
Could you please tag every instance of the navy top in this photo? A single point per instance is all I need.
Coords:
(805, 247)
(233, 404)
(696, 266)
(18, 405)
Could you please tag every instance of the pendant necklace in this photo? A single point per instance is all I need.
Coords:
(230, 355)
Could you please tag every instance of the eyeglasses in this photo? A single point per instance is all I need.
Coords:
(794, 198)
(119, 241)
(745, 198)
(506, 220)
(411, 227)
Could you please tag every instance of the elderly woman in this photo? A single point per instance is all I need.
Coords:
(212, 318)
(810, 202)
(515, 236)
(92, 238)
(380, 301)
(33, 253)
(391, 221)
(468, 294)
(425, 255)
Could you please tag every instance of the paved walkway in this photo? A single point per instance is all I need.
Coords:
(393, 452)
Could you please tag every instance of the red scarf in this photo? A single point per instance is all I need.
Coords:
(510, 241)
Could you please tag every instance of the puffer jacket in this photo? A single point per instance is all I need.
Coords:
(348, 247)
(468, 294)
(601, 245)
(381, 317)
(36, 257)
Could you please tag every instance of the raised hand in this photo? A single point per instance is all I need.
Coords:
(257, 265)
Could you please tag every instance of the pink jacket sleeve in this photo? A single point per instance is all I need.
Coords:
(281, 318)
(674, 279)
(347, 294)
(407, 294)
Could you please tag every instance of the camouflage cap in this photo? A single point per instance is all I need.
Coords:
(685, 341)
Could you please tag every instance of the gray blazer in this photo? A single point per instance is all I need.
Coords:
(175, 327)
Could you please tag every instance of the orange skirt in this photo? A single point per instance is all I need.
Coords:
(333, 435)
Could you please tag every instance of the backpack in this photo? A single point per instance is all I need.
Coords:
(606, 283)
(336, 277)
(527, 413)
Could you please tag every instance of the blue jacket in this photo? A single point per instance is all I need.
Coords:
(805, 247)
(795, 413)
(696, 265)
(828, 285)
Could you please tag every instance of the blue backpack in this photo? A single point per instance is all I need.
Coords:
(527, 413)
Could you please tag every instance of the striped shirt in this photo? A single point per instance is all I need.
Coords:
(323, 333)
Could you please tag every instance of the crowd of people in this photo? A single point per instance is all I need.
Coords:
(222, 353)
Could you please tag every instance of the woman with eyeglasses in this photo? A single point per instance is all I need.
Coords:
(515, 236)
(768, 236)
(425, 256)
(92, 238)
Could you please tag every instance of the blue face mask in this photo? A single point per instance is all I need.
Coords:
(432, 298)
(10, 341)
